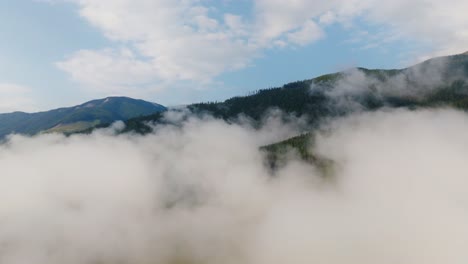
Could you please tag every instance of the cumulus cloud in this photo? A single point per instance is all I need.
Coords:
(199, 193)
(173, 41)
(110, 71)
(169, 41)
(309, 33)
(14, 97)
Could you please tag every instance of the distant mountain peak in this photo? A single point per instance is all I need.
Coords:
(76, 118)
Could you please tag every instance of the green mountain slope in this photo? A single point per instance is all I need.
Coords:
(437, 82)
(76, 118)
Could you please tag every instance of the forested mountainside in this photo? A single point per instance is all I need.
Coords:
(434, 83)
(438, 82)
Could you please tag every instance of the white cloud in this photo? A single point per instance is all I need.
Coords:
(327, 18)
(200, 193)
(174, 41)
(109, 70)
(184, 40)
(275, 18)
(441, 25)
(14, 97)
(170, 41)
(309, 33)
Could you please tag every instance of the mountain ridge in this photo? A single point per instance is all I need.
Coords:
(79, 117)
(434, 82)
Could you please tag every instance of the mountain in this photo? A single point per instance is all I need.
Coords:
(436, 82)
(76, 118)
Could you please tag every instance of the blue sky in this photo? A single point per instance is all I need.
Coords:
(63, 52)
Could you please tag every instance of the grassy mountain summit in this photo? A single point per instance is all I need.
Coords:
(78, 117)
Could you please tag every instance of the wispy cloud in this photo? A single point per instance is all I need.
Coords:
(173, 41)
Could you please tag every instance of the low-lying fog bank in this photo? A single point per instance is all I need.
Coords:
(200, 193)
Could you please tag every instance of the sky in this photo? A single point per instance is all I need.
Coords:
(56, 53)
